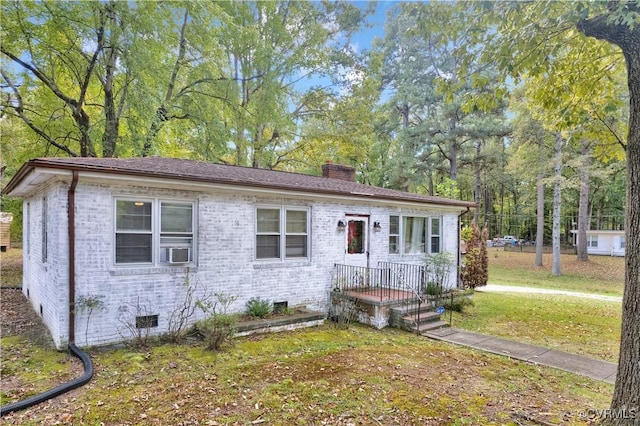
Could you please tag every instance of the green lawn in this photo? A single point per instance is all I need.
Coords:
(316, 376)
(601, 274)
(576, 325)
(581, 326)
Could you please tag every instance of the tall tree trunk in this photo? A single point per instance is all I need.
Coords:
(583, 207)
(500, 233)
(111, 123)
(488, 202)
(405, 116)
(84, 125)
(626, 394)
(241, 141)
(557, 199)
(404, 172)
(453, 150)
(476, 194)
(453, 161)
(627, 388)
(540, 218)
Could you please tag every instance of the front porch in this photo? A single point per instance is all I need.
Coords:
(392, 294)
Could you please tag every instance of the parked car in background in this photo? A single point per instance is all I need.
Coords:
(510, 240)
(507, 240)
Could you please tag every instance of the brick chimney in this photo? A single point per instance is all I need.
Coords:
(338, 171)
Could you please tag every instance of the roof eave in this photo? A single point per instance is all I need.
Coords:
(22, 172)
(29, 166)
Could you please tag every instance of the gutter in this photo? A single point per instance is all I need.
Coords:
(71, 210)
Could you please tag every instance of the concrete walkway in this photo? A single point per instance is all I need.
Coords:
(517, 289)
(582, 365)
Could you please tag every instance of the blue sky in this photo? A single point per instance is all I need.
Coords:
(361, 41)
(364, 37)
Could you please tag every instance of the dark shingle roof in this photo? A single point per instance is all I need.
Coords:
(198, 171)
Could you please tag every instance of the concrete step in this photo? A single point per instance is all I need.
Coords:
(424, 317)
(405, 310)
(430, 326)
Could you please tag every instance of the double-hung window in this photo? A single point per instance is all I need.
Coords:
(435, 233)
(282, 233)
(394, 234)
(415, 235)
(154, 231)
(592, 241)
(176, 232)
(134, 232)
(268, 237)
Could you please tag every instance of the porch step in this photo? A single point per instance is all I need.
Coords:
(430, 326)
(402, 309)
(414, 317)
(424, 317)
(425, 322)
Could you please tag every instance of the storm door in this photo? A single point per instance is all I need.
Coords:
(357, 241)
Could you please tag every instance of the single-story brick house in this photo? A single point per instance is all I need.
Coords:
(139, 226)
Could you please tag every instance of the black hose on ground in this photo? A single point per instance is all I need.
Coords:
(58, 390)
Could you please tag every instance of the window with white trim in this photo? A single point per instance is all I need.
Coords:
(592, 241)
(623, 242)
(415, 234)
(282, 233)
(435, 233)
(154, 231)
(394, 234)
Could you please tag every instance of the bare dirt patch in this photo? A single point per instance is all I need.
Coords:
(11, 268)
(17, 318)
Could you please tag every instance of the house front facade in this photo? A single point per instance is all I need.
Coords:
(135, 233)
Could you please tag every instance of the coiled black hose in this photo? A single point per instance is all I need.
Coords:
(58, 390)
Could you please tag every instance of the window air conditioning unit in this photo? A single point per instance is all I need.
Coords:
(179, 255)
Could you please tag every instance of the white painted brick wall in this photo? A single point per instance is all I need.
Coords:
(224, 253)
(44, 281)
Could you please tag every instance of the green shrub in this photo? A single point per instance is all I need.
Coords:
(258, 308)
(217, 330)
(459, 302)
(433, 289)
(219, 327)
